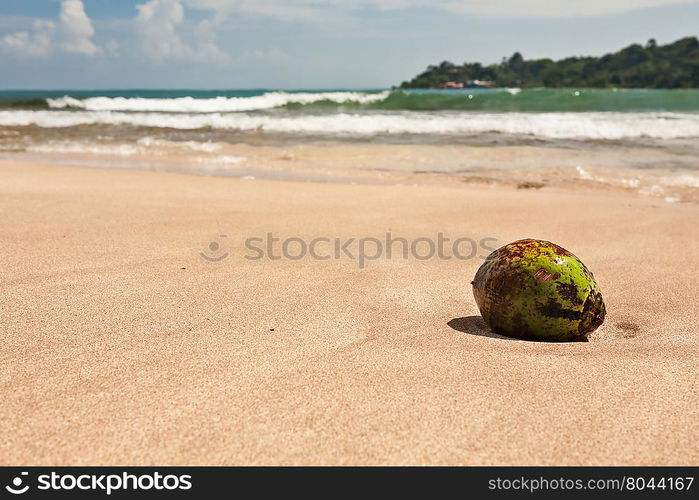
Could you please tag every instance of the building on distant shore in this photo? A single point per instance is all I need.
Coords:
(481, 83)
(469, 84)
(452, 85)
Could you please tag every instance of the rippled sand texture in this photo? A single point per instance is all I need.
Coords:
(121, 344)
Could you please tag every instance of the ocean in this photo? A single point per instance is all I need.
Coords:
(632, 132)
(548, 114)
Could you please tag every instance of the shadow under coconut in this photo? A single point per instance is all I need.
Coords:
(475, 325)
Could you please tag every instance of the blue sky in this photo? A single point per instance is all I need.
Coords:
(78, 44)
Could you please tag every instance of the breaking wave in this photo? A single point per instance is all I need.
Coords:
(590, 125)
(486, 100)
(218, 104)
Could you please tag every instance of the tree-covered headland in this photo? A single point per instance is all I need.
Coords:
(675, 65)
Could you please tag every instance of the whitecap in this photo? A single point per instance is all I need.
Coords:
(218, 104)
(593, 125)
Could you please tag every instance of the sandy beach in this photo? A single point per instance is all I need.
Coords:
(121, 344)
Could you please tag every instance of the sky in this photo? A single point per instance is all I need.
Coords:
(311, 44)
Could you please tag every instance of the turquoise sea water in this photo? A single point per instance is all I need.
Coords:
(472, 115)
(492, 100)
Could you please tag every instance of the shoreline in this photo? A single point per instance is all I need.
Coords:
(665, 175)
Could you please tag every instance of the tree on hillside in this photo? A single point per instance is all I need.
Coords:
(675, 65)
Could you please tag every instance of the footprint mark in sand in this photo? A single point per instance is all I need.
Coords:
(628, 329)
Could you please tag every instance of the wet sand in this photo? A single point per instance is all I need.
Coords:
(667, 173)
(122, 345)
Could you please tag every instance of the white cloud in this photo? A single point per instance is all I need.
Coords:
(270, 56)
(25, 44)
(207, 48)
(112, 48)
(313, 9)
(551, 8)
(72, 33)
(158, 22)
(76, 29)
(291, 10)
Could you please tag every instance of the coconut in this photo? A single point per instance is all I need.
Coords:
(535, 289)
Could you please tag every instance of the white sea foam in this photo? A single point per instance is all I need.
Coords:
(632, 183)
(219, 104)
(584, 174)
(222, 160)
(85, 148)
(684, 180)
(587, 176)
(653, 190)
(145, 145)
(200, 147)
(597, 125)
